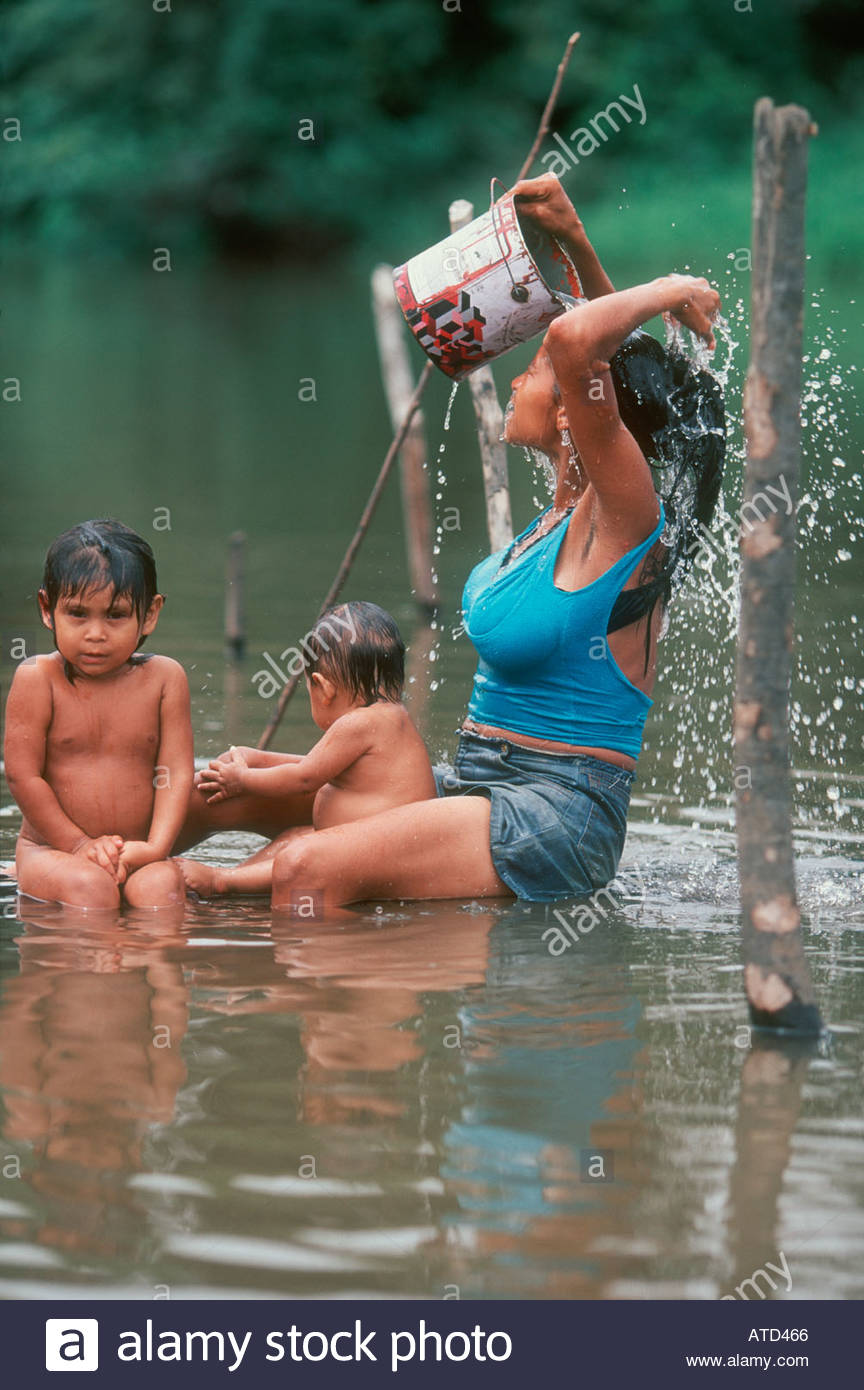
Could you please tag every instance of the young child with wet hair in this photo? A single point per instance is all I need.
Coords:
(370, 759)
(98, 745)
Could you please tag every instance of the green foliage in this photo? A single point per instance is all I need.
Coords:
(145, 127)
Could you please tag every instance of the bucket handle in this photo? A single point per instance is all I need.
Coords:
(517, 292)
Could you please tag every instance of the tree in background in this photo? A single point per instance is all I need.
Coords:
(296, 127)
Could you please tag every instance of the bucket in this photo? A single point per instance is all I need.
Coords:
(491, 285)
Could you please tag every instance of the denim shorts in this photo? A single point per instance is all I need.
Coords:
(558, 821)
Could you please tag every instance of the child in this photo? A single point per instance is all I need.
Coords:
(98, 739)
(370, 759)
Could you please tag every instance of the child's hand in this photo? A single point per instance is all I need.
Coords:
(224, 777)
(134, 855)
(203, 775)
(103, 850)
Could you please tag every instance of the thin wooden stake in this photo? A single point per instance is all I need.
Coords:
(490, 424)
(546, 118)
(362, 527)
(777, 978)
(398, 385)
(235, 598)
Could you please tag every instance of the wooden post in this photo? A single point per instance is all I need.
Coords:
(398, 387)
(777, 977)
(490, 424)
(235, 606)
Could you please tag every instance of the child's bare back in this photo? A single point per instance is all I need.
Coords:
(391, 769)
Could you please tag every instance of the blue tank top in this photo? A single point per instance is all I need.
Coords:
(545, 667)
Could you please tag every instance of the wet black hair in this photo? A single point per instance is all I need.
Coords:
(363, 652)
(675, 412)
(96, 553)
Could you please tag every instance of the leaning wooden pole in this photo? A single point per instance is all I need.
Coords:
(354, 544)
(546, 118)
(398, 385)
(490, 425)
(777, 978)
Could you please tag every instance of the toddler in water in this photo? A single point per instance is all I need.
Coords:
(99, 738)
(370, 759)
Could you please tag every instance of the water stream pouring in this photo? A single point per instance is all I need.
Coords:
(489, 286)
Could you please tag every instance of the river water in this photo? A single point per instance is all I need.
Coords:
(421, 1101)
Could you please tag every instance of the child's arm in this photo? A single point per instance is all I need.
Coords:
(28, 717)
(344, 742)
(255, 757)
(262, 757)
(172, 775)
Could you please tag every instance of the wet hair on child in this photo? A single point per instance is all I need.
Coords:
(99, 553)
(359, 647)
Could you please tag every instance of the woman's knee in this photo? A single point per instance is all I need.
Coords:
(295, 868)
(155, 885)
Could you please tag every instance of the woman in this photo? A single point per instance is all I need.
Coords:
(537, 803)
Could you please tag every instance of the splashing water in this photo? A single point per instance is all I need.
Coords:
(441, 477)
(543, 473)
(696, 664)
(453, 389)
(434, 653)
(568, 300)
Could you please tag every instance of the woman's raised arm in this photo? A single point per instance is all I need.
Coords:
(580, 344)
(546, 203)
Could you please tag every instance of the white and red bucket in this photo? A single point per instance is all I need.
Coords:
(493, 284)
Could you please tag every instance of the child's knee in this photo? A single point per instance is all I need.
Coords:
(86, 885)
(155, 885)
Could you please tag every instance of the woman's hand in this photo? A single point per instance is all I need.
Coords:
(545, 202)
(695, 305)
(224, 777)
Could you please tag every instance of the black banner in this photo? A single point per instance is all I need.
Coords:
(483, 1344)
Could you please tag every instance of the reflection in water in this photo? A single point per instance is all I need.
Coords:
(771, 1083)
(90, 1058)
(542, 1158)
(418, 1101)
